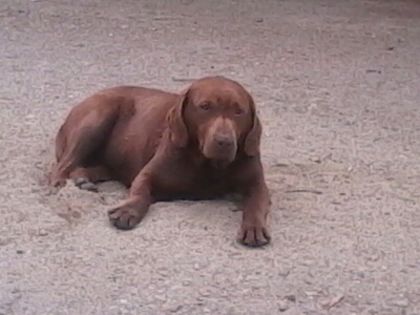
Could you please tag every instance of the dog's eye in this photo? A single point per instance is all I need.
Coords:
(238, 111)
(205, 106)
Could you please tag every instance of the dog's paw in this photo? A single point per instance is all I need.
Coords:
(124, 217)
(57, 182)
(84, 184)
(253, 236)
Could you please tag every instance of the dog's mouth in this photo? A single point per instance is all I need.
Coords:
(219, 164)
(219, 156)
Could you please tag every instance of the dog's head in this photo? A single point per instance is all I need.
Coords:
(219, 116)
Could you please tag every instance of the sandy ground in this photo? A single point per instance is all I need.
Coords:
(337, 85)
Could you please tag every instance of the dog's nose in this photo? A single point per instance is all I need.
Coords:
(224, 141)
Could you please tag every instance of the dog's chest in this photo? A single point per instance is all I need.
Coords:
(210, 177)
(210, 182)
(195, 183)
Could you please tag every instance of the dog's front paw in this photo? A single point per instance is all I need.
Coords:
(124, 217)
(57, 181)
(253, 235)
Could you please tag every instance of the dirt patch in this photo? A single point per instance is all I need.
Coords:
(336, 84)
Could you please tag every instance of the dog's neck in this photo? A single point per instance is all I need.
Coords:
(197, 158)
(219, 164)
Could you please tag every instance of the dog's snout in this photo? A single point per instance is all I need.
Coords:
(224, 141)
(220, 142)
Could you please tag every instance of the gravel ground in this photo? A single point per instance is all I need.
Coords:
(337, 87)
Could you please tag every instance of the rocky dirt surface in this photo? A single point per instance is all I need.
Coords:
(337, 86)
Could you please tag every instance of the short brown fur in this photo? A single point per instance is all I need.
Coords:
(200, 144)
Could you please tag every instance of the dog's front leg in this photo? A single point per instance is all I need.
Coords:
(128, 214)
(254, 228)
(254, 231)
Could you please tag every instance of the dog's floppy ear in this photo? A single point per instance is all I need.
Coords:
(252, 140)
(175, 118)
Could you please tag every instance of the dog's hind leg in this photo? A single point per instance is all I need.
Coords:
(82, 135)
(86, 177)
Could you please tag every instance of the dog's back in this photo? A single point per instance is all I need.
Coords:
(128, 121)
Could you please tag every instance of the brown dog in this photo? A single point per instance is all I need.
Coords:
(200, 144)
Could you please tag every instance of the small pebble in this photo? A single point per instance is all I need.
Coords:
(175, 309)
(332, 301)
(283, 305)
(373, 71)
(293, 311)
(42, 232)
(291, 297)
(403, 302)
(204, 292)
(76, 214)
